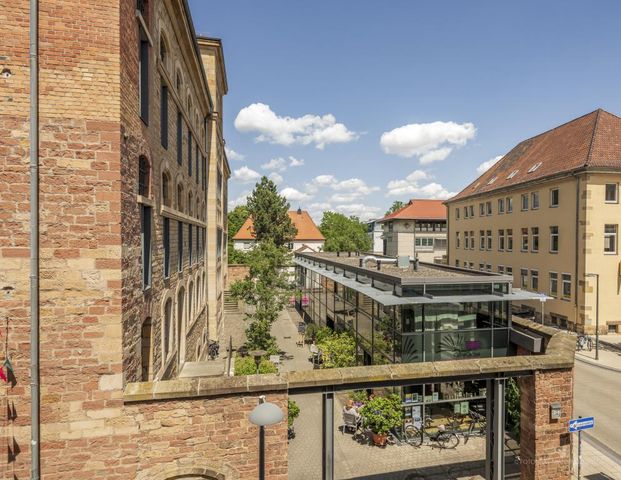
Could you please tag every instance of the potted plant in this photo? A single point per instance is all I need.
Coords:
(380, 415)
(293, 411)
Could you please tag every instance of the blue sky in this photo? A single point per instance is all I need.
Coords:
(350, 105)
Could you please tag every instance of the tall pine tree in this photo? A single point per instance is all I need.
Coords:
(269, 214)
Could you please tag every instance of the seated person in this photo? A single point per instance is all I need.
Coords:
(350, 408)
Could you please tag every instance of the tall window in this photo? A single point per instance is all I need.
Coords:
(179, 138)
(481, 239)
(472, 210)
(145, 237)
(166, 194)
(179, 246)
(198, 155)
(457, 242)
(164, 116)
(610, 238)
(509, 204)
(166, 240)
(534, 280)
(481, 209)
(489, 239)
(612, 193)
(534, 200)
(509, 240)
(471, 240)
(554, 197)
(180, 197)
(554, 239)
(566, 286)
(143, 77)
(465, 212)
(143, 176)
(488, 208)
(190, 242)
(525, 239)
(524, 277)
(219, 185)
(535, 239)
(501, 240)
(501, 205)
(524, 201)
(553, 284)
(189, 151)
(466, 241)
(204, 173)
(457, 213)
(219, 244)
(167, 330)
(145, 350)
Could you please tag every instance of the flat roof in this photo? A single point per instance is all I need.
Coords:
(426, 272)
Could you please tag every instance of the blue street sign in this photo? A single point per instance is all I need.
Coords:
(578, 424)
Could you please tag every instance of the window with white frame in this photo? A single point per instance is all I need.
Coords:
(471, 210)
(509, 240)
(554, 239)
(471, 240)
(489, 239)
(488, 208)
(501, 269)
(534, 200)
(481, 209)
(612, 193)
(465, 212)
(509, 204)
(524, 240)
(501, 240)
(481, 239)
(554, 197)
(553, 284)
(501, 205)
(524, 201)
(566, 286)
(524, 277)
(481, 267)
(509, 270)
(457, 213)
(457, 241)
(610, 238)
(535, 239)
(534, 280)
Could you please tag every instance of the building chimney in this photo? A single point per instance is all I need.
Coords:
(299, 211)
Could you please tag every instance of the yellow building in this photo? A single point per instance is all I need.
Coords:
(548, 213)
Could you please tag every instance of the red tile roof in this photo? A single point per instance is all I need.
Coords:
(419, 209)
(593, 140)
(307, 230)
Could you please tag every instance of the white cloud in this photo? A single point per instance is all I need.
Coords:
(278, 164)
(275, 177)
(294, 195)
(233, 155)
(411, 187)
(296, 162)
(246, 175)
(360, 210)
(307, 129)
(485, 166)
(430, 142)
(241, 200)
(354, 185)
(349, 189)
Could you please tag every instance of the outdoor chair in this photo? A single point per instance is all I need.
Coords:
(351, 423)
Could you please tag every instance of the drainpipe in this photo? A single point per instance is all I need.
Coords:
(34, 239)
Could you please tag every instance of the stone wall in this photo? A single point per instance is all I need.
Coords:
(236, 272)
(545, 451)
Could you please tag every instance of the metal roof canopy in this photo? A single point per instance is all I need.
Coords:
(388, 299)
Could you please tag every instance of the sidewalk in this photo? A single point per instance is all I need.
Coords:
(609, 358)
(596, 462)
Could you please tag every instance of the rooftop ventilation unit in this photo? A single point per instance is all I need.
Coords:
(403, 261)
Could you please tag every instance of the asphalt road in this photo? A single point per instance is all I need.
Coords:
(598, 394)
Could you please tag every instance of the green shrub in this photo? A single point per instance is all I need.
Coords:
(323, 333)
(246, 366)
(293, 412)
(311, 330)
(359, 396)
(380, 414)
(338, 350)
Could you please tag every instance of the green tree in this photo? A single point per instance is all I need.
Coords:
(396, 205)
(269, 214)
(512, 402)
(236, 219)
(344, 234)
(247, 366)
(338, 350)
(267, 289)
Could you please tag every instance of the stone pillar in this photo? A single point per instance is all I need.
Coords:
(545, 444)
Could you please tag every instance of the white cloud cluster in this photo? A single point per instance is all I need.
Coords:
(411, 187)
(430, 142)
(241, 200)
(308, 129)
(296, 162)
(485, 166)
(350, 188)
(233, 155)
(361, 210)
(278, 164)
(275, 177)
(246, 175)
(294, 195)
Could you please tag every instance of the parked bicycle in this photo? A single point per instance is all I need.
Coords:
(443, 438)
(584, 342)
(401, 436)
(476, 420)
(213, 350)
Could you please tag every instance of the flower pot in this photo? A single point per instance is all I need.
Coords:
(379, 439)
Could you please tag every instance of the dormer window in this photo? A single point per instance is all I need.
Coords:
(476, 185)
(492, 180)
(512, 174)
(534, 167)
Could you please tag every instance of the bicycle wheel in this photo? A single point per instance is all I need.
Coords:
(590, 344)
(413, 436)
(448, 440)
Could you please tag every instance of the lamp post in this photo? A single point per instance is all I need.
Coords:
(596, 275)
(257, 355)
(264, 414)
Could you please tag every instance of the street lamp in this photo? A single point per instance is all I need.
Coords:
(257, 355)
(596, 275)
(264, 414)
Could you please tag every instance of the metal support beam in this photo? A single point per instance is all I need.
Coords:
(495, 445)
(327, 454)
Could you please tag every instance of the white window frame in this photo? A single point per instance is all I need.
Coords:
(532, 240)
(558, 197)
(524, 278)
(553, 276)
(563, 281)
(533, 196)
(558, 238)
(534, 274)
(616, 199)
(509, 202)
(524, 200)
(524, 242)
(501, 240)
(614, 236)
(501, 205)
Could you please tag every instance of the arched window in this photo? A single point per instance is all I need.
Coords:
(180, 197)
(181, 322)
(146, 350)
(178, 81)
(166, 194)
(167, 330)
(197, 213)
(144, 171)
(190, 204)
(199, 298)
(163, 50)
